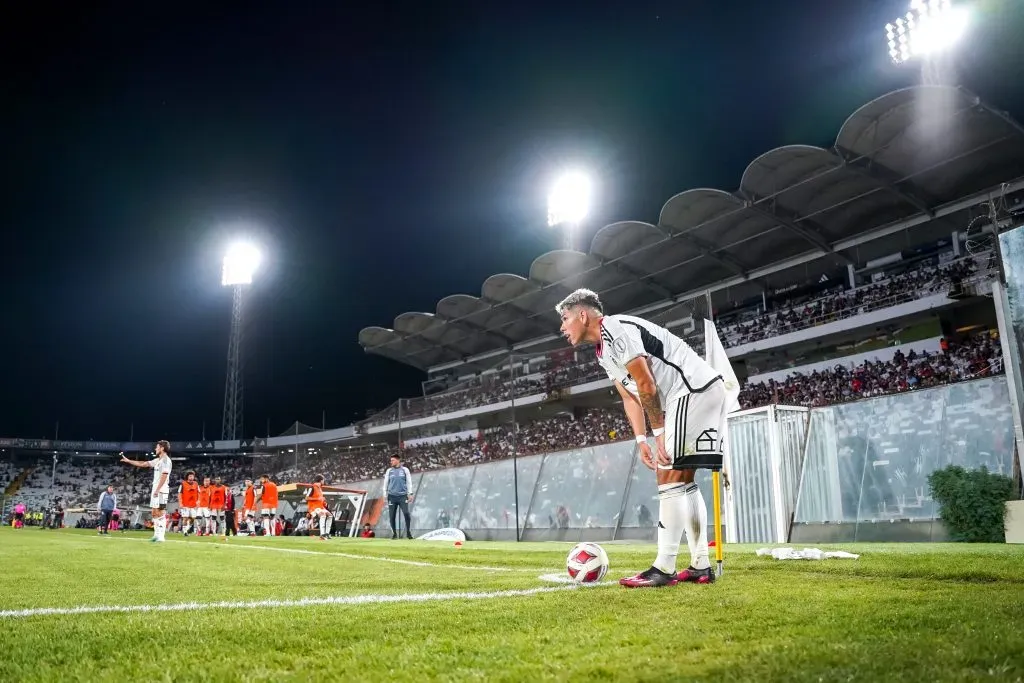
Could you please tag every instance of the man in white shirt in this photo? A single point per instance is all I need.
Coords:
(161, 466)
(662, 381)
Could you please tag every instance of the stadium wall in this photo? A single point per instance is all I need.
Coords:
(851, 472)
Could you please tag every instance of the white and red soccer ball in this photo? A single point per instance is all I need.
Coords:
(587, 563)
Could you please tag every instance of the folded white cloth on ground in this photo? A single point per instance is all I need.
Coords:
(805, 554)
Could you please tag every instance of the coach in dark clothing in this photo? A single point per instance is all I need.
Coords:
(229, 515)
(106, 505)
(397, 481)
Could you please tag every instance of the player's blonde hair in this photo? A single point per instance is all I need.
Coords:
(587, 298)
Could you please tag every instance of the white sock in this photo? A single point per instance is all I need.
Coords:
(251, 526)
(696, 516)
(266, 526)
(159, 526)
(671, 522)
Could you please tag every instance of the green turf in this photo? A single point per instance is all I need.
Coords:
(900, 612)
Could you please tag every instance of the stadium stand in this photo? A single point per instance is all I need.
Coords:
(890, 287)
(977, 356)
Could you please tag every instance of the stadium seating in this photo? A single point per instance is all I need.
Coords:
(736, 330)
(976, 356)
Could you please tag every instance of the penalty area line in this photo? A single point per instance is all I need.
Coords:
(346, 600)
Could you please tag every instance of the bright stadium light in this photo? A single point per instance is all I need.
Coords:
(240, 263)
(569, 203)
(930, 26)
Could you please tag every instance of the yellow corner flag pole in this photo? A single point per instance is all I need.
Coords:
(716, 485)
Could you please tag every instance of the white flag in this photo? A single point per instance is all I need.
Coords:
(717, 359)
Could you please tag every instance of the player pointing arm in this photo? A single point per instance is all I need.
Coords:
(161, 466)
(664, 383)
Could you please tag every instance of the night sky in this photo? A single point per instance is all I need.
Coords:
(384, 157)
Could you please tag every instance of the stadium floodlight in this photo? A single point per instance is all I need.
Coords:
(240, 264)
(241, 261)
(569, 203)
(930, 26)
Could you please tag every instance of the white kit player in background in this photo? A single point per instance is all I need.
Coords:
(663, 382)
(161, 466)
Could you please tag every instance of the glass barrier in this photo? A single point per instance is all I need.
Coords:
(491, 502)
(869, 461)
(439, 498)
(579, 494)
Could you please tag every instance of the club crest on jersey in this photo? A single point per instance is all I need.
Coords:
(619, 345)
(707, 442)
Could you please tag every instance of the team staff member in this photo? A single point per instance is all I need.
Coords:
(397, 479)
(106, 505)
(229, 514)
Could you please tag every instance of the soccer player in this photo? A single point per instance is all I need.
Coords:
(267, 495)
(161, 466)
(685, 401)
(249, 507)
(317, 505)
(204, 508)
(188, 502)
(217, 494)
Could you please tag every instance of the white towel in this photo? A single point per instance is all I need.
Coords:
(805, 554)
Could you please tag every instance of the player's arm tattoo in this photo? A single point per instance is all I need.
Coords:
(647, 388)
(652, 406)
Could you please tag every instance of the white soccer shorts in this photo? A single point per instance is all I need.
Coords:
(158, 500)
(202, 512)
(219, 514)
(187, 512)
(268, 512)
(250, 513)
(695, 428)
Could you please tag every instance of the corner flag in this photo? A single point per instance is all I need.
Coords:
(717, 358)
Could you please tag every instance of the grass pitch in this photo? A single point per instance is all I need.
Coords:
(204, 610)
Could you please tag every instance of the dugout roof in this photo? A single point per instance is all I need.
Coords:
(900, 156)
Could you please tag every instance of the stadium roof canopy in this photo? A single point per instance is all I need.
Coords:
(899, 160)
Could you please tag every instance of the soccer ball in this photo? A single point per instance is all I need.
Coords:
(587, 563)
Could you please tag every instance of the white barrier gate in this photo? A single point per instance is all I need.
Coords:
(763, 459)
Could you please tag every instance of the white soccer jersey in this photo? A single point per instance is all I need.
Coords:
(677, 369)
(161, 465)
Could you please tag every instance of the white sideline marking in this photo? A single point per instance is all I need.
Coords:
(565, 578)
(259, 604)
(350, 556)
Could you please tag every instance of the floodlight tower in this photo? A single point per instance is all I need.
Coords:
(568, 204)
(240, 263)
(929, 27)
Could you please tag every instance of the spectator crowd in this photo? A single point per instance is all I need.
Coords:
(977, 356)
(558, 370)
